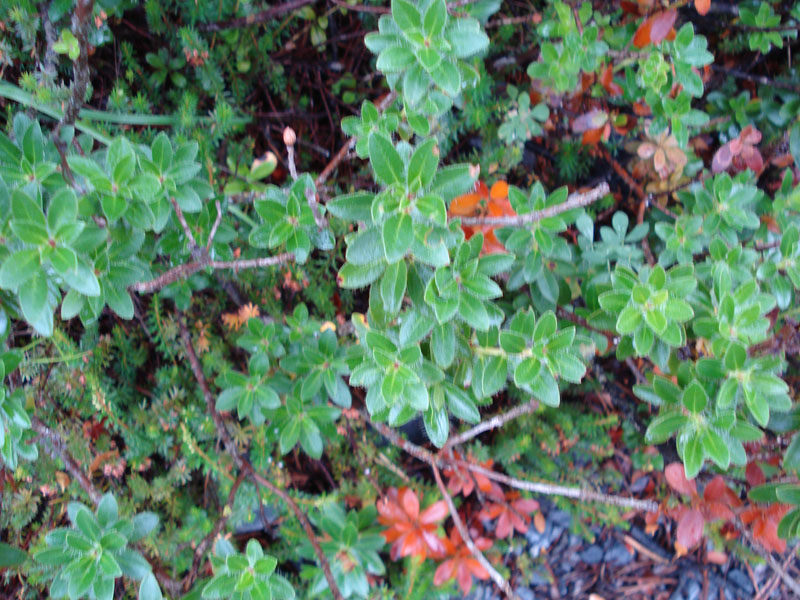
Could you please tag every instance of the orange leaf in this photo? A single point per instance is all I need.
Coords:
(702, 6)
(465, 205)
(499, 190)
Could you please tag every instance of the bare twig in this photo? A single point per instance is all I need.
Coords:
(214, 227)
(186, 231)
(531, 18)
(770, 585)
(574, 201)
(548, 489)
(188, 269)
(578, 320)
(493, 423)
(761, 79)
(257, 18)
(245, 466)
(462, 529)
(58, 449)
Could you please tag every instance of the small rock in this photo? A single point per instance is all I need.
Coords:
(525, 594)
(639, 484)
(740, 580)
(592, 555)
(560, 517)
(693, 590)
(618, 554)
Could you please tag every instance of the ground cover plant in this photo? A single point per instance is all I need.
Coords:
(328, 299)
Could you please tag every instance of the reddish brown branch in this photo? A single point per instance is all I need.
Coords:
(257, 18)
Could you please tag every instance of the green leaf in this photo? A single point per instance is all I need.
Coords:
(406, 16)
(664, 427)
(443, 344)
(107, 512)
(393, 286)
(397, 234)
(545, 389)
(628, 320)
(716, 449)
(473, 312)
(385, 160)
(693, 456)
(33, 299)
(290, 434)
(310, 438)
(695, 397)
(656, 321)
(435, 18)
(352, 207)
(447, 77)
(461, 405)
(358, 276)
(143, 524)
(394, 59)
(527, 371)
(114, 206)
(758, 406)
(19, 268)
(11, 556)
(161, 150)
(149, 589)
(422, 166)
(437, 425)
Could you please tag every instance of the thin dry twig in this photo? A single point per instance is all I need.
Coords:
(214, 227)
(573, 201)
(80, 70)
(493, 423)
(499, 580)
(188, 269)
(245, 466)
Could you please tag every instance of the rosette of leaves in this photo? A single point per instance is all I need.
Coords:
(351, 543)
(465, 288)
(751, 380)
(689, 412)
(248, 576)
(733, 314)
(650, 309)
(726, 205)
(288, 220)
(561, 61)
(15, 424)
(522, 122)
(616, 243)
(248, 179)
(543, 257)
(536, 353)
(761, 21)
(371, 120)
(95, 551)
(420, 46)
(408, 217)
(307, 421)
(252, 395)
(682, 240)
(320, 364)
(780, 272)
(259, 337)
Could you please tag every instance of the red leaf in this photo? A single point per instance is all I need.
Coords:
(591, 120)
(690, 528)
(718, 491)
(676, 478)
(655, 28)
(702, 6)
(607, 80)
(754, 474)
(722, 159)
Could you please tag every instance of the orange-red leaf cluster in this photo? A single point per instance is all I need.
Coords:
(410, 531)
(483, 202)
(462, 480)
(511, 513)
(461, 564)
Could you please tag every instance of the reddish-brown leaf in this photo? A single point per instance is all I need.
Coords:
(607, 80)
(754, 474)
(676, 478)
(690, 528)
(655, 28)
(718, 491)
(702, 6)
(722, 159)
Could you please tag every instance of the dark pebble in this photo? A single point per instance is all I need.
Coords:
(525, 594)
(741, 580)
(592, 555)
(618, 554)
